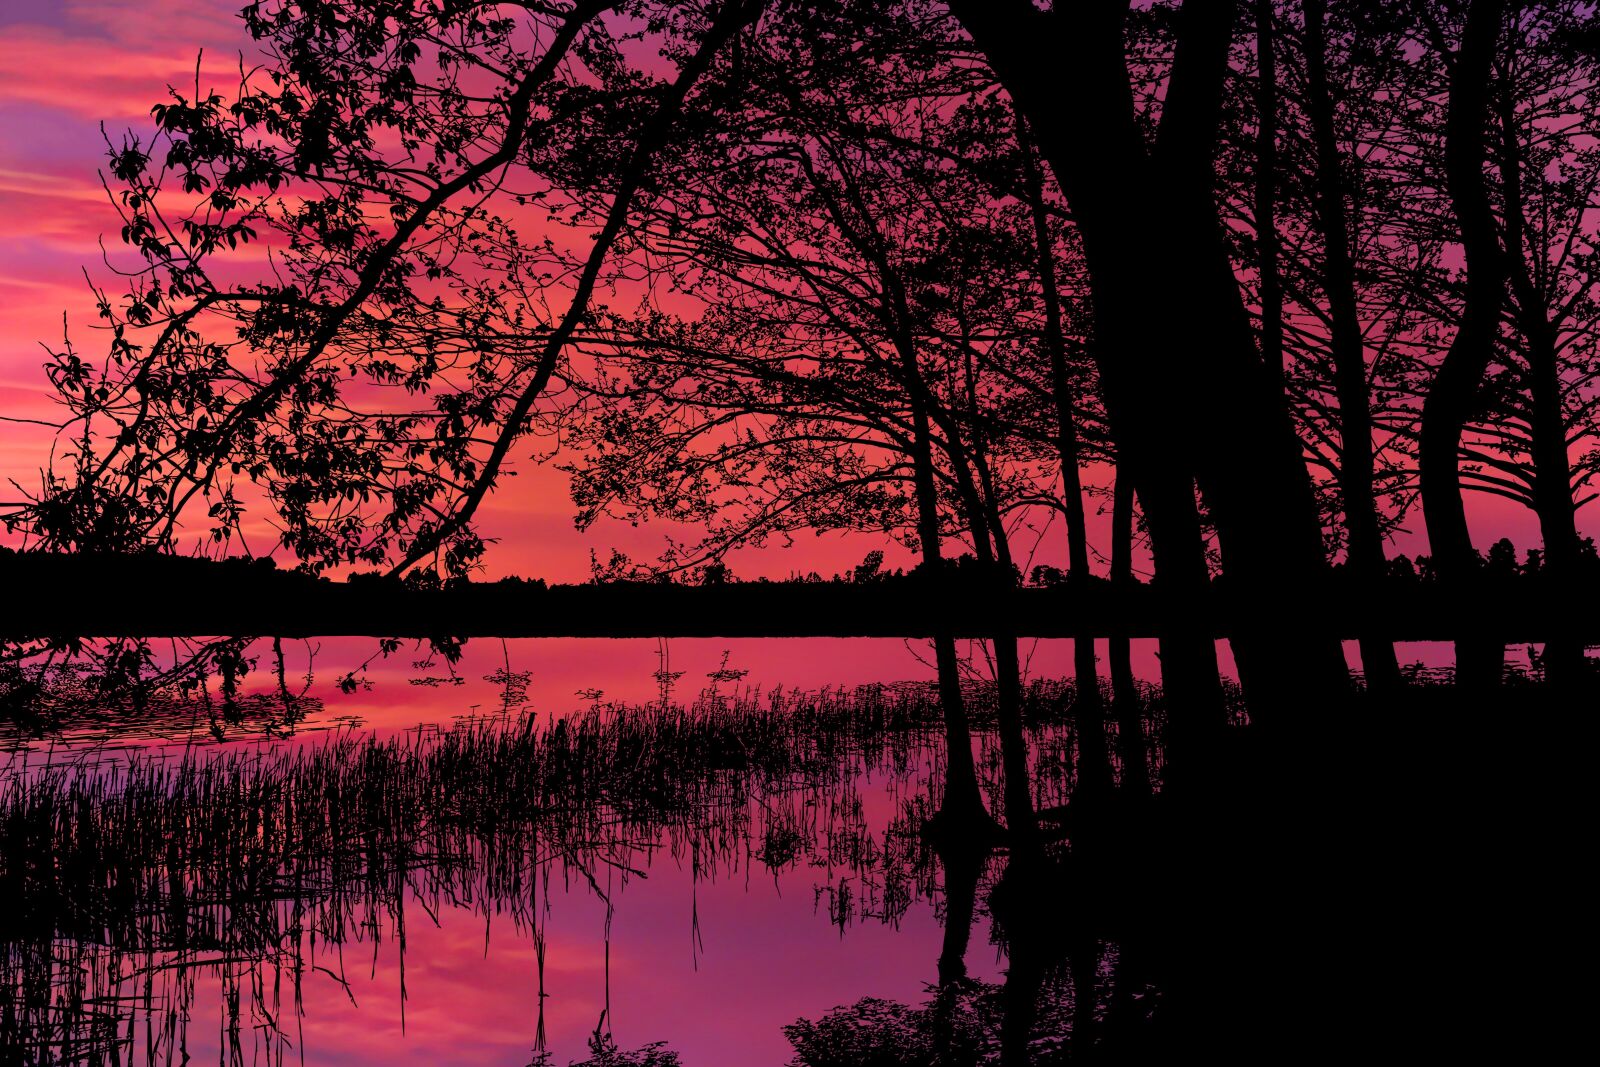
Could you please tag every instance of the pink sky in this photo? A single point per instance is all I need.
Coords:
(71, 65)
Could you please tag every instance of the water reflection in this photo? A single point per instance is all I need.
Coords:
(743, 875)
(249, 901)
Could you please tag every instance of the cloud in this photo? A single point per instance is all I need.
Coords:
(67, 210)
(113, 61)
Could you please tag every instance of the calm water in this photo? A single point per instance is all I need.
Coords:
(708, 914)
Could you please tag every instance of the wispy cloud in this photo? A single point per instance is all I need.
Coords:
(112, 61)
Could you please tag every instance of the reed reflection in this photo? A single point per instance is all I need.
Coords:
(148, 892)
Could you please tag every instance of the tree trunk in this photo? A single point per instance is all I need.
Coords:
(1251, 464)
(1552, 466)
(1020, 816)
(1019, 997)
(963, 866)
(1088, 710)
(1365, 559)
(1067, 70)
(963, 809)
(994, 552)
(1563, 654)
(1131, 743)
(1452, 398)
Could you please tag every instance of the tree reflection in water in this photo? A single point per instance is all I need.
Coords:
(136, 882)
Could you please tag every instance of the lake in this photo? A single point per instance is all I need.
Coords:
(544, 851)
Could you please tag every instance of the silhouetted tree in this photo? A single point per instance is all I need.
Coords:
(1119, 652)
(374, 379)
(1453, 397)
(800, 397)
(1548, 168)
(1069, 70)
(1069, 444)
(1347, 347)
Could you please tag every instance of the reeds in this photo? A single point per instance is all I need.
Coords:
(125, 878)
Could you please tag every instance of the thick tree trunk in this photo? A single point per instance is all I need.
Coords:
(1190, 678)
(1365, 560)
(1251, 465)
(1066, 69)
(1452, 398)
(1024, 52)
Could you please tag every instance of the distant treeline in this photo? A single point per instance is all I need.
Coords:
(157, 594)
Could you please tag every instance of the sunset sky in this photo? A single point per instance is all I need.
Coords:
(71, 66)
